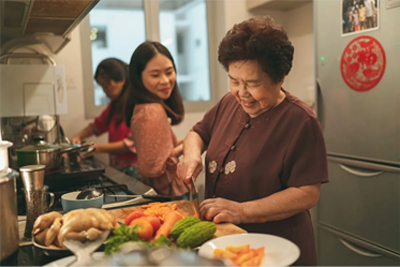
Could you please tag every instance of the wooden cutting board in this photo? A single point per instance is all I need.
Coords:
(186, 208)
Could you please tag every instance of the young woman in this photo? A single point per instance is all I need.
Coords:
(153, 104)
(113, 76)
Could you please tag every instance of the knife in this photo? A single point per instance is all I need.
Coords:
(153, 197)
(194, 195)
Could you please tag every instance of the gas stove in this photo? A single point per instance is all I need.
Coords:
(89, 174)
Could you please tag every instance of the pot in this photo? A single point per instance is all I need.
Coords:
(9, 237)
(42, 153)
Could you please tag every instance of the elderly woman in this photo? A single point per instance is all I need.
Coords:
(266, 157)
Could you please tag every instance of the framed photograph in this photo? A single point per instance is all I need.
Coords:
(359, 16)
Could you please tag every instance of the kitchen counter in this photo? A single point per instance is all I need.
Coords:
(28, 255)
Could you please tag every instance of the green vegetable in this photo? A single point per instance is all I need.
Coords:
(196, 234)
(162, 241)
(181, 225)
(122, 235)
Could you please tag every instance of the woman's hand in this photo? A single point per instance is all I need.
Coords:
(221, 210)
(93, 150)
(178, 151)
(76, 140)
(190, 165)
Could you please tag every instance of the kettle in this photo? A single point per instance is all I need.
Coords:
(9, 237)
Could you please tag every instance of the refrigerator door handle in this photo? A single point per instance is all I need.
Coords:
(320, 104)
(370, 169)
(359, 251)
(359, 173)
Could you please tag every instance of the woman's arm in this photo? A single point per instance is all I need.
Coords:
(191, 164)
(278, 206)
(115, 147)
(281, 205)
(86, 132)
(178, 150)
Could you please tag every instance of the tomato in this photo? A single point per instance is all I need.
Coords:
(154, 221)
(145, 230)
(133, 215)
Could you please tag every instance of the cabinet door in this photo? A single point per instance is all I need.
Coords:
(340, 250)
(362, 201)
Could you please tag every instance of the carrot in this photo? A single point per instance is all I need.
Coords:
(170, 219)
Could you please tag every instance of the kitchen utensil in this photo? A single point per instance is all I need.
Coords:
(156, 257)
(9, 237)
(88, 194)
(32, 178)
(84, 251)
(278, 251)
(42, 153)
(52, 251)
(193, 194)
(4, 145)
(153, 197)
(45, 192)
(69, 202)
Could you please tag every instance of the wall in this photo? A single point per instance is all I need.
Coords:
(70, 57)
(299, 27)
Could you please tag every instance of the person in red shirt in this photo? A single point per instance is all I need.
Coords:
(112, 75)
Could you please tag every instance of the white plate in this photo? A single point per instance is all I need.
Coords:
(68, 260)
(278, 251)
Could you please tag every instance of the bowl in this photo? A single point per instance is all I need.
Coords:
(69, 202)
(278, 251)
(52, 252)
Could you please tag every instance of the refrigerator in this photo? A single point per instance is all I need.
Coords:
(358, 104)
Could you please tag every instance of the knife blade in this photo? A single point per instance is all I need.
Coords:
(194, 195)
(153, 197)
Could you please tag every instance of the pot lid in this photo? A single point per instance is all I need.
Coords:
(42, 146)
(5, 144)
(11, 174)
(32, 168)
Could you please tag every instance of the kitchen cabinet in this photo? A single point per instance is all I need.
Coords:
(363, 202)
(275, 4)
(352, 251)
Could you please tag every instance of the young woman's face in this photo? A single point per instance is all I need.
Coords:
(253, 88)
(159, 76)
(110, 87)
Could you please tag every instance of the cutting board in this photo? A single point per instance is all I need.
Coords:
(186, 208)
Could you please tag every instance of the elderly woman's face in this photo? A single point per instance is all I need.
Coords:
(253, 88)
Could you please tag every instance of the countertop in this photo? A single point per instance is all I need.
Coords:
(28, 255)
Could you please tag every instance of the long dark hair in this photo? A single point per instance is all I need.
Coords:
(138, 94)
(116, 70)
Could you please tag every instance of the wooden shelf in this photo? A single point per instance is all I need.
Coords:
(283, 5)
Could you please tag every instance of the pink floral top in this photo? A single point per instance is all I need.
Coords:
(155, 142)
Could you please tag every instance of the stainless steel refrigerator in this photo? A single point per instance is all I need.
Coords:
(358, 104)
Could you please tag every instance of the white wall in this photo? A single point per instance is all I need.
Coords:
(74, 121)
(299, 27)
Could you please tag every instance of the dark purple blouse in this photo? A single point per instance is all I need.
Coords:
(252, 158)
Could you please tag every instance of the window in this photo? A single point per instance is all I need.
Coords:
(183, 30)
(116, 27)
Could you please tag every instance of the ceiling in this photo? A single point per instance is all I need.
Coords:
(138, 4)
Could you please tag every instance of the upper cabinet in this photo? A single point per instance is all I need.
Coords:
(283, 5)
(49, 22)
